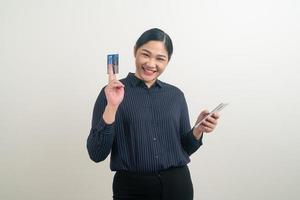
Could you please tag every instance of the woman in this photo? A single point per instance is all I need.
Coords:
(144, 123)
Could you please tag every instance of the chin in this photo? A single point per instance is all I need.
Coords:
(149, 78)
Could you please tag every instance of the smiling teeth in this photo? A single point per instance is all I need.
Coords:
(149, 70)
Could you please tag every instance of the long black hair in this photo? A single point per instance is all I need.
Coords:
(155, 34)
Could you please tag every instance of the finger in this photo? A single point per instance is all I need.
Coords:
(212, 120)
(115, 83)
(208, 130)
(111, 75)
(204, 112)
(216, 115)
(119, 85)
(207, 124)
(205, 129)
(202, 115)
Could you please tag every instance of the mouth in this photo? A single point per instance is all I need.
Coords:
(148, 71)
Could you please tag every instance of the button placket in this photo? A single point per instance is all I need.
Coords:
(153, 124)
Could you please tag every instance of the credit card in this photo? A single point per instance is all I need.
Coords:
(113, 59)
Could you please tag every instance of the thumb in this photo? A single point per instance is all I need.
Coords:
(204, 112)
(202, 115)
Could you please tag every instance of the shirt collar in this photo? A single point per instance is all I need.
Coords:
(136, 81)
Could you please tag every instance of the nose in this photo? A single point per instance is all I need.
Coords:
(151, 63)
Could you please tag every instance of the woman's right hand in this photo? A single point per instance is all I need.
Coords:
(114, 91)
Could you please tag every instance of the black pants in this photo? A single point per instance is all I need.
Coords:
(172, 184)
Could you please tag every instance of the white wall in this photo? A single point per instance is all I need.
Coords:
(53, 64)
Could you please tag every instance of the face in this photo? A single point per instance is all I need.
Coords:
(151, 60)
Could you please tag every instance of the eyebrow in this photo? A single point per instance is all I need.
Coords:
(159, 55)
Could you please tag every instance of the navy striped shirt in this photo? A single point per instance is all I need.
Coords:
(151, 131)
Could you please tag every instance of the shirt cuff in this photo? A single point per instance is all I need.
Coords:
(104, 128)
(194, 140)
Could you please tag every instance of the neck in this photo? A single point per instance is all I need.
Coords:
(148, 83)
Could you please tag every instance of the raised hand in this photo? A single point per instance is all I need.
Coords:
(208, 125)
(114, 91)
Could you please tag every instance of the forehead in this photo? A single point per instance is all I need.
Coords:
(154, 47)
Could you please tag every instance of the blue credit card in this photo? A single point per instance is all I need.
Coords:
(113, 59)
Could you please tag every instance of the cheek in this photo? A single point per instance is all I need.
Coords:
(162, 67)
(140, 61)
(137, 63)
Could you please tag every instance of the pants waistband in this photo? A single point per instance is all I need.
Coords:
(166, 171)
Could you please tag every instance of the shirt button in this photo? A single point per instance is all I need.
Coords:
(154, 139)
(156, 156)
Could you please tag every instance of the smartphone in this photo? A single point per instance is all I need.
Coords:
(217, 109)
(113, 59)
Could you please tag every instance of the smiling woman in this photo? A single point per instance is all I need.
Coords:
(152, 51)
(151, 60)
(144, 124)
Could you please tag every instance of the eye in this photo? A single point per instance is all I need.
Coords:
(145, 55)
(161, 59)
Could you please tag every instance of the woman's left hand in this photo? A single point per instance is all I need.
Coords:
(207, 126)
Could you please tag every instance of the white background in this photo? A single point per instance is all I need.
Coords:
(53, 65)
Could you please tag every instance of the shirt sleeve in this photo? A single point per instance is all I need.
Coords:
(100, 139)
(189, 143)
